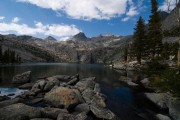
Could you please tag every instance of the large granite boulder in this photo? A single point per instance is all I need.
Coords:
(63, 97)
(162, 117)
(19, 111)
(10, 102)
(22, 78)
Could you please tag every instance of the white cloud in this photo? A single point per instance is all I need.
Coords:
(2, 17)
(125, 19)
(15, 20)
(166, 3)
(57, 30)
(84, 9)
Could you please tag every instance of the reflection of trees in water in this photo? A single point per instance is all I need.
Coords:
(103, 74)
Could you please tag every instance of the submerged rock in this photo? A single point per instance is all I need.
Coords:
(17, 111)
(63, 97)
(22, 78)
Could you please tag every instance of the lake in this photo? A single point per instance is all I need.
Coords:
(120, 98)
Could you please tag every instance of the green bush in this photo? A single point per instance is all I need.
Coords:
(168, 81)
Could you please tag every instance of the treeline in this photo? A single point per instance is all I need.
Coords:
(9, 56)
(147, 42)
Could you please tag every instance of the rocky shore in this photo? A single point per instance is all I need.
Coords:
(59, 97)
(161, 106)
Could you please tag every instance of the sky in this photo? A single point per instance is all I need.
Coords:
(64, 18)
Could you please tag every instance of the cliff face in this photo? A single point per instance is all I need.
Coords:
(172, 19)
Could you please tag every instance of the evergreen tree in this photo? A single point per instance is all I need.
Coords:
(154, 31)
(1, 53)
(139, 39)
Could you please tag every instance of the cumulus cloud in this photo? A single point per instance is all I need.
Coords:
(168, 5)
(132, 10)
(58, 30)
(84, 9)
(15, 20)
(2, 17)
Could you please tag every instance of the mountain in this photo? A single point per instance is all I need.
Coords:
(99, 49)
(172, 19)
(163, 15)
(80, 37)
(50, 38)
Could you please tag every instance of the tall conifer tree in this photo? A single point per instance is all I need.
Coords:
(154, 31)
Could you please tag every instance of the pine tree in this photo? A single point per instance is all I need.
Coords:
(1, 53)
(154, 31)
(139, 39)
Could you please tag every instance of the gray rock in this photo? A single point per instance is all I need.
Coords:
(10, 102)
(174, 109)
(63, 78)
(162, 117)
(63, 97)
(54, 80)
(53, 112)
(12, 112)
(49, 85)
(36, 100)
(73, 81)
(26, 86)
(41, 119)
(81, 116)
(160, 99)
(145, 82)
(98, 100)
(87, 95)
(22, 78)
(82, 108)
(65, 116)
(39, 86)
(97, 88)
(2, 98)
(103, 113)
(87, 83)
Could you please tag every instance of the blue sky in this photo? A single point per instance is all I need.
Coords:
(65, 18)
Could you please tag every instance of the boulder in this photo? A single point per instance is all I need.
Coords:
(41, 119)
(82, 108)
(63, 97)
(26, 86)
(97, 88)
(159, 99)
(162, 117)
(174, 109)
(12, 112)
(65, 116)
(63, 78)
(87, 83)
(22, 78)
(10, 102)
(103, 113)
(87, 95)
(145, 82)
(38, 86)
(73, 81)
(52, 112)
(2, 98)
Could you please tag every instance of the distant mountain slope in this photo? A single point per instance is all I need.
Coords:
(172, 19)
(50, 38)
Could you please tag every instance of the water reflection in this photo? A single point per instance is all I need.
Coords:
(103, 74)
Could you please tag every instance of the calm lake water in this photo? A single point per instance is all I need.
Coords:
(120, 97)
